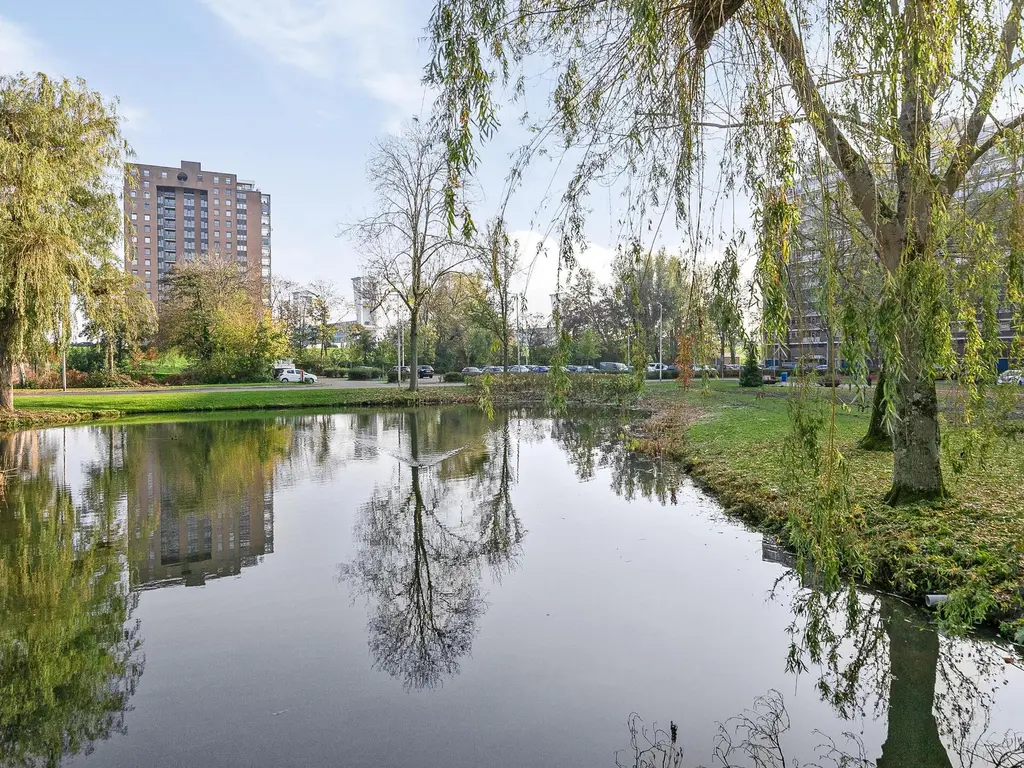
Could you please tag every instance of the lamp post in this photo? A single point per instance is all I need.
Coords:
(661, 315)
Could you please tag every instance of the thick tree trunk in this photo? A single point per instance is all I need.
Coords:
(913, 739)
(877, 437)
(8, 355)
(414, 352)
(916, 468)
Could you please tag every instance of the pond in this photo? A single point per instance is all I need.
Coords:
(432, 588)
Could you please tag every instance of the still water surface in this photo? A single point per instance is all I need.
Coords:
(431, 588)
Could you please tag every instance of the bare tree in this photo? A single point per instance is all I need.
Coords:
(408, 243)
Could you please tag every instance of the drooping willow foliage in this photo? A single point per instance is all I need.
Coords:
(908, 103)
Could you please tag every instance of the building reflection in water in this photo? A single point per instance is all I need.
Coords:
(188, 523)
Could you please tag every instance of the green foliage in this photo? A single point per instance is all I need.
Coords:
(453, 377)
(119, 315)
(750, 374)
(60, 166)
(363, 374)
(583, 389)
(86, 359)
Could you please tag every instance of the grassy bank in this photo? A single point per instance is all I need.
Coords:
(970, 545)
(42, 410)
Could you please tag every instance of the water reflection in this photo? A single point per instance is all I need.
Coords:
(424, 537)
(436, 531)
(70, 652)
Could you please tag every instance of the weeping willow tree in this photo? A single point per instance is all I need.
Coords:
(904, 99)
(60, 153)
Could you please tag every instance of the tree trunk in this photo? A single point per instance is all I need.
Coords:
(916, 468)
(414, 352)
(877, 437)
(721, 358)
(110, 356)
(8, 355)
(912, 740)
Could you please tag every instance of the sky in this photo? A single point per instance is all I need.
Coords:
(290, 94)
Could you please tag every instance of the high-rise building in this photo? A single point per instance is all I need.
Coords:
(364, 293)
(180, 213)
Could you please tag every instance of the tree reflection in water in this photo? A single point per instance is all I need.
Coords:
(70, 653)
(424, 538)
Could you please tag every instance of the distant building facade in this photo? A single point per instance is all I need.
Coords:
(807, 336)
(178, 213)
(364, 294)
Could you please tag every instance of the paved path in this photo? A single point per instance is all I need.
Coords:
(142, 391)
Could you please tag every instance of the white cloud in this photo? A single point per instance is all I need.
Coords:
(20, 51)
(367, 43)
(541, 267)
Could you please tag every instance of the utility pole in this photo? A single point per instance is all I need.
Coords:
(399, 356)
(661, 316)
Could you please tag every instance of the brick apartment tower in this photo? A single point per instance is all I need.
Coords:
(180, 213)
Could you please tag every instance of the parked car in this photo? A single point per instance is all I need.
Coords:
(519, 369)
(470, 370)
(1011, 377)
(608, 367)
(494, 369)
(655, 367)
(405, 369)
(425, 372)
(541, 369)
(588, 369)
(296, 374)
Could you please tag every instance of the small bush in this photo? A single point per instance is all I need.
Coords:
(829, 380)
(144, 380)
(105, 379)
(393, 377)
(665, 375)
(362, 374)
(179, 380)
(453, 377)
(335, 373)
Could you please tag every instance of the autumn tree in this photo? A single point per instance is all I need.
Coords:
(61, 155)
(324, 300)
(214, 313)
(409, 244)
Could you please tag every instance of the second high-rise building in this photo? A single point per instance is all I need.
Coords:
(180, 213)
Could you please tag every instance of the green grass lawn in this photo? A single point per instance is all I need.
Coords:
(165, 401)
(971, 544)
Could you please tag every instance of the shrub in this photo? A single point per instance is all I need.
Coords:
(665, 375)
(87, 359)
(362, 374)
(105, 379)
(393, 377)
(144, 379)
(584, 388)
(453, 377)
(829, 380)
(750, 374)
(179, 379)
(335, 373)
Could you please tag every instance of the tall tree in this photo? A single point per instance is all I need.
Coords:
(724, 307)
(119, 313)
(61, 154)
(499, 265)
(409, 244)
(904, 99)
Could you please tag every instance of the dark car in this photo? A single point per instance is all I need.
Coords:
(471, 371)
(425, 372)
(494, 369)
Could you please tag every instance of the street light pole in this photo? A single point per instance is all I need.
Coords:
(661, 315)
